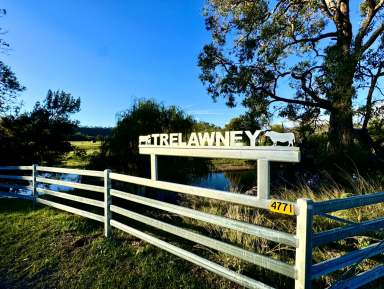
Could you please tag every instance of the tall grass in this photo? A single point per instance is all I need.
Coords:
(324, 187)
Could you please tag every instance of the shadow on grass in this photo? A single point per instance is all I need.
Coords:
(11, 205)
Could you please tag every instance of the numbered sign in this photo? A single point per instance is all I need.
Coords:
(282, 207)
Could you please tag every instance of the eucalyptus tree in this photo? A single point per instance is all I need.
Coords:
(299, 58)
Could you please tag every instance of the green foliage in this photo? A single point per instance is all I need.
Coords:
(48, 248)
(42, 135)
(81, 154)
(205, 126)
(120, 152)
(259, 48)
(243, 122)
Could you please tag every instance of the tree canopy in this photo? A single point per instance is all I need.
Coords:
(120, 151)
(300, 59)
(42, 135)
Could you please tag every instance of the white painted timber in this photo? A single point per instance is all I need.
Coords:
(15, 168)
(304, 250)
(235, 198)
(71, 171)
(34, 184)
(86, 187)
(154, 171)
(260, 260)
(107, 203)
(209, 265)
(263, 179)
(271, 153)
(9, 177)
(79, 212)
(66, 196)
(262, 232)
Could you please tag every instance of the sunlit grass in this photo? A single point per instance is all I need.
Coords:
(48, 248)
(231, 165)
(329, 189)
(80, 156)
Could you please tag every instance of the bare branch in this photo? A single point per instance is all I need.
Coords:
(312, 40)
(368, 106)
(373, 37)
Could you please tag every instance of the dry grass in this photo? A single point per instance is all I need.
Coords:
(329, 188)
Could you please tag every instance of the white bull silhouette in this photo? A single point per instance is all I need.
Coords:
(281, 137)
(144, 139)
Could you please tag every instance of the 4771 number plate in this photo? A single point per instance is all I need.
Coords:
(282, 207)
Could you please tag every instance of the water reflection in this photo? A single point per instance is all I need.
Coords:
(63, 177)
(237, 181)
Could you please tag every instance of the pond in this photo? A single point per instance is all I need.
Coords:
(63, 177)
(236, 181)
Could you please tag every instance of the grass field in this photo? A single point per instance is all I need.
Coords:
(79, 157)
(47, 248)
(231, 165)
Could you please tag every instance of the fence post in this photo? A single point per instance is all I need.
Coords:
(154, 173)
(304, 250)
(263, 179)
(34, 191)
(107, 203)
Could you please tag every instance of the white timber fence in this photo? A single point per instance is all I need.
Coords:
(39, 180)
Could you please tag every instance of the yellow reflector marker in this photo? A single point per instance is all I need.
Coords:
(282, 207)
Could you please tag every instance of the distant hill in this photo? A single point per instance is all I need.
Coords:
(84, 133)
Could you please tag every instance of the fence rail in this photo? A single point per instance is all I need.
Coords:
(351, 229)
(90, 173)
(303, 271)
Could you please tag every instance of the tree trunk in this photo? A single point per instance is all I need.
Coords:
(341, 65)
(340, 133)
(341, 112)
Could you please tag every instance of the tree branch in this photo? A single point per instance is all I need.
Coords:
(325, 9)
(379, 5)
(365, 24)
(373, 37)
(289, 100)
(326, 104)
(368, 106)
(312, 40)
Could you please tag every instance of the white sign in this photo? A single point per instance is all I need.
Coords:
(228, 144)
(214, 139)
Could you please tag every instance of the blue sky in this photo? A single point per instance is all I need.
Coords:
(110, 53)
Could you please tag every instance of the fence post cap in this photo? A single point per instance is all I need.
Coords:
(304, 201)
